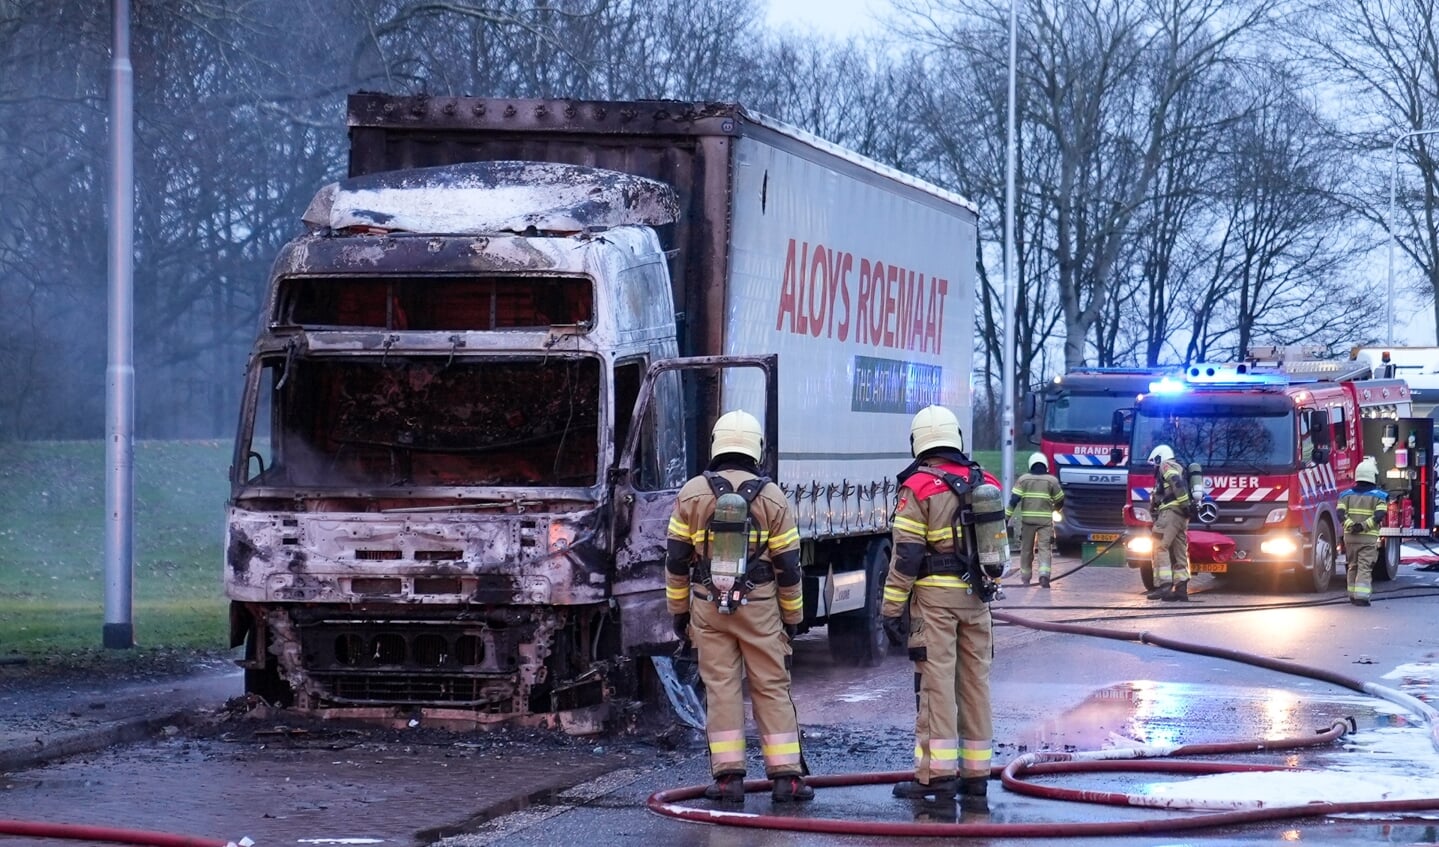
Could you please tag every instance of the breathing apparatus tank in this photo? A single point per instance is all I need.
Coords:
(991, 535)
(729, 550)
(1196, 484)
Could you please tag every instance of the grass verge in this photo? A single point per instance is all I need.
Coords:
(52, 549)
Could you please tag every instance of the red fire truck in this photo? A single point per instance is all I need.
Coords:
(1277, 438)
(1069, 419)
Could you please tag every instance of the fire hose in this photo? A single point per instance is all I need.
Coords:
(111, 835)
(1144, 759)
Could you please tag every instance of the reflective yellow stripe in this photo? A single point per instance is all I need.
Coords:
(679, 527)
(790, 604)
(944, 534)
(896, 595)
(677, 593)
(908, 525)
(736, 746)
(975, 754)
(940, 581)
(784, 539)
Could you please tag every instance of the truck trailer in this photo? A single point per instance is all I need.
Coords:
(485, 369)
(1277, 438)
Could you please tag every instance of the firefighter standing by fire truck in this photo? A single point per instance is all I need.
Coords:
(740, 608)
(1038, 496)
(950, 637)
(1170, 503)
(1362, 509)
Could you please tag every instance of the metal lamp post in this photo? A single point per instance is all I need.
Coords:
(1011, 312)
(1393, 192)
(119, 630)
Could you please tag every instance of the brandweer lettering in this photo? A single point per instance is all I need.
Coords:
(1231, 482)
(891, 307)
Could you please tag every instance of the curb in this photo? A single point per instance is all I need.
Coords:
(46, 749)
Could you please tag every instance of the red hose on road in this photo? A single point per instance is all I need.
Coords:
(669, 803)
(110, 835)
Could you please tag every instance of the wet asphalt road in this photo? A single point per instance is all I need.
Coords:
(286, 785)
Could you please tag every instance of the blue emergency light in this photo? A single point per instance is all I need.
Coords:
(1167, 385)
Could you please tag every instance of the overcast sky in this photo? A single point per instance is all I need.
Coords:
(832, 17)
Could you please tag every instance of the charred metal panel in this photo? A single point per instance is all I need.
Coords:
(481, 198)
(448, 559)
(685, 145)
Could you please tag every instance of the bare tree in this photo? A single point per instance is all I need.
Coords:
(1384, 56)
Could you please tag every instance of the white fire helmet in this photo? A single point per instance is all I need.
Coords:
(934, 426)
(737, 432)
(1161, 454)
(1038, 459)
(1367, 470)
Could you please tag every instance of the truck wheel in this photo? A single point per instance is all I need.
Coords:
(857, 638)
(1146, 576)
(1386, 567)
(1317, 576)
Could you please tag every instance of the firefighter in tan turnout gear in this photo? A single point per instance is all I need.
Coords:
(1170, 504)
(1037, 496)
(1362, 509)
(732, 582)
(933, 572)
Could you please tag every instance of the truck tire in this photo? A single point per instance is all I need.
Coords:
(1316, 577)
(1386, 567)
(857, 638)
(1146, 576)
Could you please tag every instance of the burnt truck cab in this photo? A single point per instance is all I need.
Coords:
(1277, 441)
(421, 510)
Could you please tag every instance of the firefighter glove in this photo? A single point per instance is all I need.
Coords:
(1353, 527)
(791, 630)
(682, 626)
(894, 630)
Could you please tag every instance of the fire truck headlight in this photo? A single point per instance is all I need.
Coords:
(1279, 545)
(1140, 545)
(1141, 513)
(1276, 515)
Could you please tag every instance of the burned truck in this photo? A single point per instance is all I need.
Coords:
(493, 357)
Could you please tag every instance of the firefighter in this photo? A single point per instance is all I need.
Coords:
(1038, 496)
(1362, 509)
(932, 571)
(1170, 504)
(740, 625)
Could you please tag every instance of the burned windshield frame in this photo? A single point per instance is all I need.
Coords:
(425, 422)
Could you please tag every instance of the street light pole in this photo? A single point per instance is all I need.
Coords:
(1011, 313)
(1393, 192)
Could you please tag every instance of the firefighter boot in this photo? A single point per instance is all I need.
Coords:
(1159, 592)
(727, 788)
(1044, 582)
(1180, 592)
(939, 790)
(972, 791)
(791, 788)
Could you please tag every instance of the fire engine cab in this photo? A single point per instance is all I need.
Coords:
(1277, 438)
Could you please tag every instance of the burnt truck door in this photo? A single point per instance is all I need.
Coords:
(668, 442)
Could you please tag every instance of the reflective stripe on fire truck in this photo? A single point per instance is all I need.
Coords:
(1316, 482)
(1231, 494)
(1074, 459)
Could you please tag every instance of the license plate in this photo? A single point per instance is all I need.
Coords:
(1104, 536)
(1209, 567)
